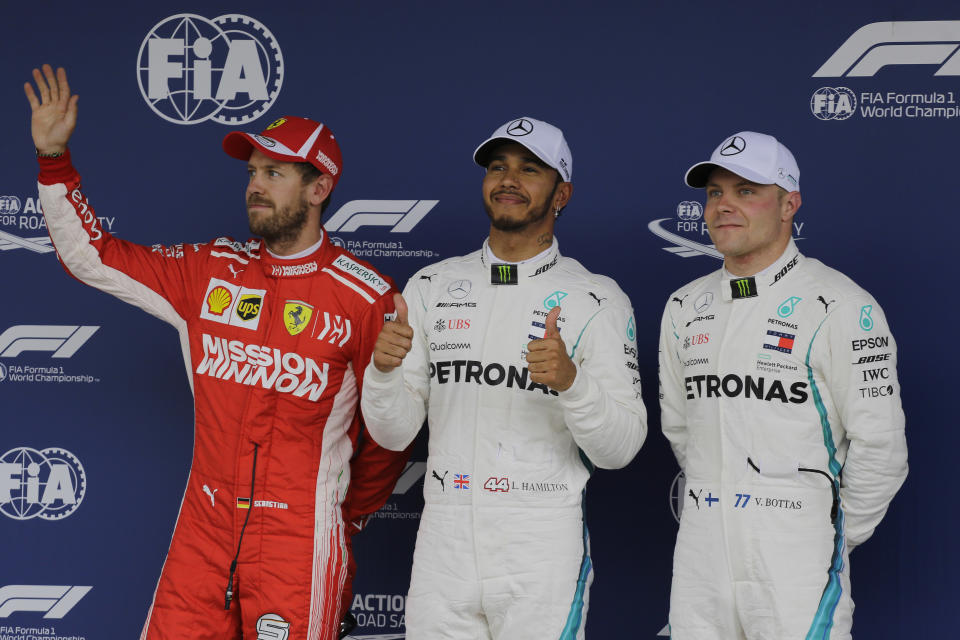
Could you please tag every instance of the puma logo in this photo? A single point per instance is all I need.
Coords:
(207, 491)
(442, 487)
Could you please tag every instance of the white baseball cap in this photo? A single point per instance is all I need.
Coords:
(755, 156)
(542, 138)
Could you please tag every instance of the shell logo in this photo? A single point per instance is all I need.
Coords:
(219, 299)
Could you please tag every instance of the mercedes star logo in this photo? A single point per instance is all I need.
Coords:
(520, 127)
(733, 146)
(459, 288)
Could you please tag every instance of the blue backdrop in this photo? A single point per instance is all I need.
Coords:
(93, 392)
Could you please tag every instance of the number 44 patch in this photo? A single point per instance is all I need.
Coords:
(497, 484)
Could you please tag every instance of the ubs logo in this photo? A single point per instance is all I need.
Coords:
(191, 69)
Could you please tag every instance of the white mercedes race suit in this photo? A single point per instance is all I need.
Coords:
(779, 396)
(502, 551)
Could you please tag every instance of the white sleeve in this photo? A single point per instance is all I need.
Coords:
(394, 404)
(673, 418)
(863, 383)
(603, 407)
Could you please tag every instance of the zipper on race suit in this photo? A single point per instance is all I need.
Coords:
(228, 596)
(835, 507)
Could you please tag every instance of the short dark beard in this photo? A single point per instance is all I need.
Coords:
(519, 225)
(283, 226)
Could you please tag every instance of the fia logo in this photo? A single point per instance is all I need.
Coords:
(191, 69)
(833, 103)
(49, 484)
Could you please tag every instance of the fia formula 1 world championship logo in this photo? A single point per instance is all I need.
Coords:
(191, 69)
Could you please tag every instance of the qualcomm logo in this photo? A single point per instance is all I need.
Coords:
(881, 44)
(401, 215)
(62, 340)
(191, 69)
(49, 484)
(55, 601)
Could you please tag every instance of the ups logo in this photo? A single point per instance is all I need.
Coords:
(249, 307)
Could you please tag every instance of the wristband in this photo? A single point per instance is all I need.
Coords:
(55, 154)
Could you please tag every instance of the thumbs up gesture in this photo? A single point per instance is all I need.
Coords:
(547, 359)
(395, 339)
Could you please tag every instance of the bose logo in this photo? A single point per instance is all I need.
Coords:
(882, 44)
(55, 601)
(63, 340)
(402, 215)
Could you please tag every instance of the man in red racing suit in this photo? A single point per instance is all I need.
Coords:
(275, 340)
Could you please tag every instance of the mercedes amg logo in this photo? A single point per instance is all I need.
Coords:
(733, 146)
(520, 127)
(459, 288)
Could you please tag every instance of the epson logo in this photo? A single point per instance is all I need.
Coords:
(493, 374)
(401, 215)
(870, 343)
(733, 386)
(265, 366)
(882, 44)
(62, 340)
(191, 69)
(55, 601)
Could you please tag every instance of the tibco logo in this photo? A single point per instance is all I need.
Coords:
(49, 484)
(55, 600)
(191, 69)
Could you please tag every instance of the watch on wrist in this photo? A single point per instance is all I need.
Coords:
(55, 154)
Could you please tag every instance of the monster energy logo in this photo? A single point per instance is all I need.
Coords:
(503, 274)
(744, 287)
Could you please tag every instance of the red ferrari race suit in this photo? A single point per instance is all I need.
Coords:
(282, 465)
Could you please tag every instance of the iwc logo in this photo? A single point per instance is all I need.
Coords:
(191, 69)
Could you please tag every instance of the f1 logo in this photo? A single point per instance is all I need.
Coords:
(881, 44)
(56, 601)
(63, 340)
(402, 215)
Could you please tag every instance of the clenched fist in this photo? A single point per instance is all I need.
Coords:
(395, 339)
(547, 359)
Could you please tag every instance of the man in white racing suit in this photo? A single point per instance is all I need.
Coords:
(779, 396)
(525, 365)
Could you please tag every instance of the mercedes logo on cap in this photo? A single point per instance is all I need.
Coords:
(520, 127)
(459, 288)
(733, 146)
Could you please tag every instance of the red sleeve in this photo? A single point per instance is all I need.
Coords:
(152, 278)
